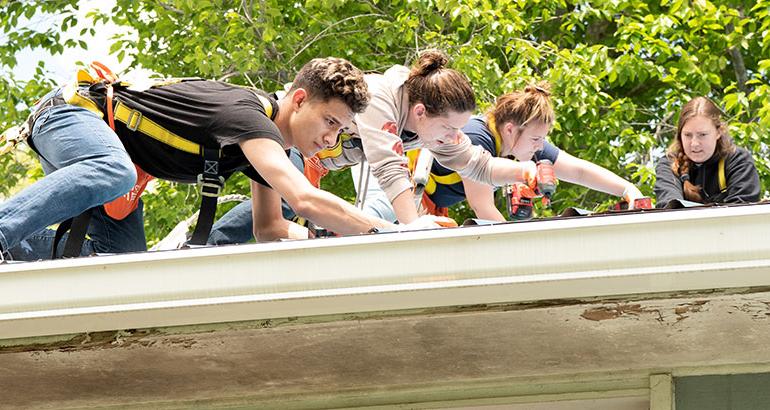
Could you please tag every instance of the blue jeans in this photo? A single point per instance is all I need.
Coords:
(376, 203)
(236, 226)
(86, 166)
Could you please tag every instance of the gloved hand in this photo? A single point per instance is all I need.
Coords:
(631, 194)
(529, 173)
(429, 222)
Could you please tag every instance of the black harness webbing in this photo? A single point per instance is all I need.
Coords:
(77, 227)
(210, 183)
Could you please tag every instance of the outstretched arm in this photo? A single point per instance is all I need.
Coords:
(269, 224)
(323, 208)
(588, 174)
(481, 197)
(476, 163)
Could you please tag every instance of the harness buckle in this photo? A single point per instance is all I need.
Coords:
(130, 123)
(210, 187)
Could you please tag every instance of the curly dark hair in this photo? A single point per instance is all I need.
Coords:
(331, 77)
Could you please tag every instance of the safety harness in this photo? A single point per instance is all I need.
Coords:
(721, 172)
(450, 179)
(209, 181)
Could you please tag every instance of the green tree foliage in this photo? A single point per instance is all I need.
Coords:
(16, 96)
(620, 69)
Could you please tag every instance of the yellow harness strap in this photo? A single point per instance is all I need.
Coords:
(336, 150)
(72, 97)
(454, 177)
(135, 121)
(433, 179)
(722, 179)
(266, 105)
(493, 129)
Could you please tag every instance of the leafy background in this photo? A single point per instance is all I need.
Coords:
(620, 70)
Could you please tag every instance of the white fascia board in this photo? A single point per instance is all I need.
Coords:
(647, 253)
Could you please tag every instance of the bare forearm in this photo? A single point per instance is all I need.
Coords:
(281, 229)
(489, 213)
(505, 171)
(481, 198)
(597, 178)
(405, 208)
(333, 213)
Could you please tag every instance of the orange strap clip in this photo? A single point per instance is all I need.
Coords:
(106, 74)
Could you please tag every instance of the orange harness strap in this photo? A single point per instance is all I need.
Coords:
(121, 207)
(431, 207)
(314, 170)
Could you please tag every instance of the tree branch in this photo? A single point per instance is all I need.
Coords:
(737, 60)
(663, 126)
(322, 33)
(170, 8)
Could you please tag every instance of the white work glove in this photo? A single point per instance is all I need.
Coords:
(631, 194)
(529, 173)
(428, 222)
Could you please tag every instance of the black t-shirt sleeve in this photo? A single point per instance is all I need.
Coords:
(549, 152)
(668, 187)
(253, 175)
(245, 119)
(742, 178)
(295, 157)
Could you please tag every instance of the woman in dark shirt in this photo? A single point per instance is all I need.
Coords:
(516, 128)
(703, 164)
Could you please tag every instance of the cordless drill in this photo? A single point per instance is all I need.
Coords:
(519, 196)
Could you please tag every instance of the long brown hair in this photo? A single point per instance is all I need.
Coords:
(522, 107)
(680, 164)
(438, 88)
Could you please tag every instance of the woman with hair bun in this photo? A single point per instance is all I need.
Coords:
(703, 164)
(516, 129)
(422, 107)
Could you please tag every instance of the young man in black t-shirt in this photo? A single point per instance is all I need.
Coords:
(187, 131)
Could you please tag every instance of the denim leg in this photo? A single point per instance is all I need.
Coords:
(38, 246)
(105, 235)
(376, 202)
(110, 235)
(86, 166)
(233, 227)
(237, 225)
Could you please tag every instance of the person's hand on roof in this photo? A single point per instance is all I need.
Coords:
(529, 173)
(631, 194)
(429, 222)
